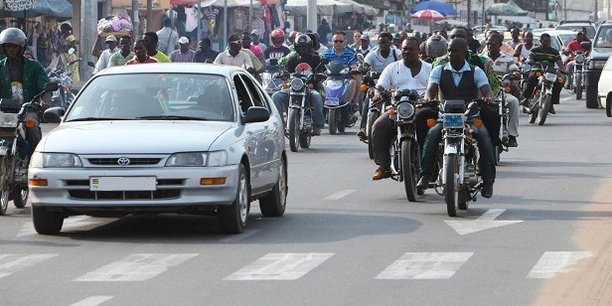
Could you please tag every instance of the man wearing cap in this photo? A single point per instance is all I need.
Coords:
(234, 55)
(364, 48)
(183, 54)
(103, 60)
(125, 53)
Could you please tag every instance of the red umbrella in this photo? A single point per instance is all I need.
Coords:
(184, 2)
(428, 15)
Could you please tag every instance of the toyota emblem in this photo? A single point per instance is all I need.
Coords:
(123, 161)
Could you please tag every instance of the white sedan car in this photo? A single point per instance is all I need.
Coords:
(158, 138)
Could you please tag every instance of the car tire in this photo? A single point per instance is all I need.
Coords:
(591, 96)
(47, 222)
(20, 197)
(273, 204)
(609, 107)
(233, 218)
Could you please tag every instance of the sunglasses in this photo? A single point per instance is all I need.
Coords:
(338, 41)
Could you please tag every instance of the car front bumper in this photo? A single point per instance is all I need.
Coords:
(176, 189)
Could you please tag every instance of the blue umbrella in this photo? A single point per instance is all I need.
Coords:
(60, 9)
(442, 8)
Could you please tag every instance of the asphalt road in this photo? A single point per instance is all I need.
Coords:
(544, 238)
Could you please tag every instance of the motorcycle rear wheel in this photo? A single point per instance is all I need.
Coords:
(409, 168)
(544, 107)
(5, 188)
(305, 138)
(20, 197)
(578, 89)
(332, 121)
(372, 116)
(294, 132)
(451, 194)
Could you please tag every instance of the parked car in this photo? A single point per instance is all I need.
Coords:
(604, 87)
(159, 138)
(602, 48)
(576, 25)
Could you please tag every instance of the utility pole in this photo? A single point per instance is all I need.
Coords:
(469, 12)
(135, 19)
(149, 14)
(311, 16)
(595, 18)
(87, 36)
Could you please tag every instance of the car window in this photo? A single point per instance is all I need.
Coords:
(576, 27)
(255, 95)
(244, 99)
(154, 96)
(604, 38)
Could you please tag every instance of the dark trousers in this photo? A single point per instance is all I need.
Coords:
(33, 135)
(532, 81)
(383, 135)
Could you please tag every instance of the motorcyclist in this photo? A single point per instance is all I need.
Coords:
(521, 51)
(435, 46)
(291, 39)
(574, 46)
(304, 54)
(458, 80)
(341, 53)
(21, 78)
(377, 59)
(504, 64)
(547, 56)
(276, 50)
(408, 73)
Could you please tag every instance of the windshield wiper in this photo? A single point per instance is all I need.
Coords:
(96, 119)
(169, 117)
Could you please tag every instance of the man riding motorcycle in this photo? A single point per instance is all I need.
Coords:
(574, 46)
(21, 78)
(504, 64)
(341, 53)
(304, 54)
(276, 50)
(435, 46)
(548, 57)
(458, 80)
(409, 73)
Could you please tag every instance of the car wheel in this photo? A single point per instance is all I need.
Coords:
(46, 222)
(233, 218)
(591, 96)
(273, 205)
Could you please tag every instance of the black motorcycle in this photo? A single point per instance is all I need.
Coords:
(15, 150)
(301, 109)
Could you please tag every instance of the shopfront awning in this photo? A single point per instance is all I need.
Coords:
(60, 9)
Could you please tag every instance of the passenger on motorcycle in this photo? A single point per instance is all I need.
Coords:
(521, 52)
(21, 78)
(547, 56)
(574, 46)
(364, 48)
(408, 73)
(504, 64)
(458, 80)
(341, 53)
(277, 49)
(304, 54)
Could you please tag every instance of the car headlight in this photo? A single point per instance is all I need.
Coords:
(55, 160)
(197, 159)
(405, 110)
(597, 64)
(297, 84)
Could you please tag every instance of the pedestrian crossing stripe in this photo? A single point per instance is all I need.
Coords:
(435, 265)
(552, 263)
(11, 263)
(281, 266)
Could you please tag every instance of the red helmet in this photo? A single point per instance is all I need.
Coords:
(293, 34)
(301, 67)
(278, 33)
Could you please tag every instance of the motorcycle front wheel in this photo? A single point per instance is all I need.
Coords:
(294, 129)
(545, 104)
(20, 197)
(410, 171)
(451, 193)
(372, 116)
(578, 88)
(332, 121)
(5, 188)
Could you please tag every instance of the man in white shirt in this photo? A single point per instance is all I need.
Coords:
(384, 54)
(233, 55)
(167, 38)
(102, 63)
(408, 73)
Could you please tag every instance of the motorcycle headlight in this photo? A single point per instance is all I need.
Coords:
(579, 58)
(297, 84)
(405, 110)
(9, 120)
(197, 159)
(55, 160)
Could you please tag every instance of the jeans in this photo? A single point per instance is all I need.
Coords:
(512, 103)
(383, 135)
(281, 100)
(485, 146)
(532, 81)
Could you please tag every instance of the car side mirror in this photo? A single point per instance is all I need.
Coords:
(54, 114)
(256, 114)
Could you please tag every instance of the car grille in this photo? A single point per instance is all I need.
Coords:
(166, 189)
(114, 161)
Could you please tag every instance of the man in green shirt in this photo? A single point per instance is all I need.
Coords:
(124, 55)
(21, 78)
(150, 39)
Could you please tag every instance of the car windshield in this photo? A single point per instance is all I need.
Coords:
(566, 38)
(604, 38)
(154, 96)
(576, 27)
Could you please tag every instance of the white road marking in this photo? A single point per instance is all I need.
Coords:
(136, 267)
(280, 266)
(236, 238)
(71, 223)
(11, 263)
(568, 98)
(552, 263)
(339, 195)
(425, 266)
(92, 300)
(486, 221)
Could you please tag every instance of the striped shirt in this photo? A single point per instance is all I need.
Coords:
(118, 59)
(347, 57)
(546, 57)
(179, 57)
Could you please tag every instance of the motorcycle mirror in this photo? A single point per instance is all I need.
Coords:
(51, 86)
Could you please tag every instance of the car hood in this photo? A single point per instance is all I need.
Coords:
(600, 53)
(133, 137)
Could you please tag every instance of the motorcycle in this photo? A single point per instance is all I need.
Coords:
(371, 109)
(337, 101)
(578, 76)
(14, 149)
(458, 179)
(300, 113)
(541, 100)
(502, 108)
(405, 152)
(273, 79)
(64, 95)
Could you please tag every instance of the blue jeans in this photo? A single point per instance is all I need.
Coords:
(485, 146)
(281, 100)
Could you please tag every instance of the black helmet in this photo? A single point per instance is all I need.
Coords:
(13, 36)
(314, 40)
(436, 46)
(302, 40)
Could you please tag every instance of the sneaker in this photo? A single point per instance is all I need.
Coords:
(381, 173)
(487, 189)
(316, 131)
(552, 110)
(362, 135)
(512, 141)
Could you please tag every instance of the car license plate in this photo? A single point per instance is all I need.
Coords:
(453, 121)
(122, 183)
